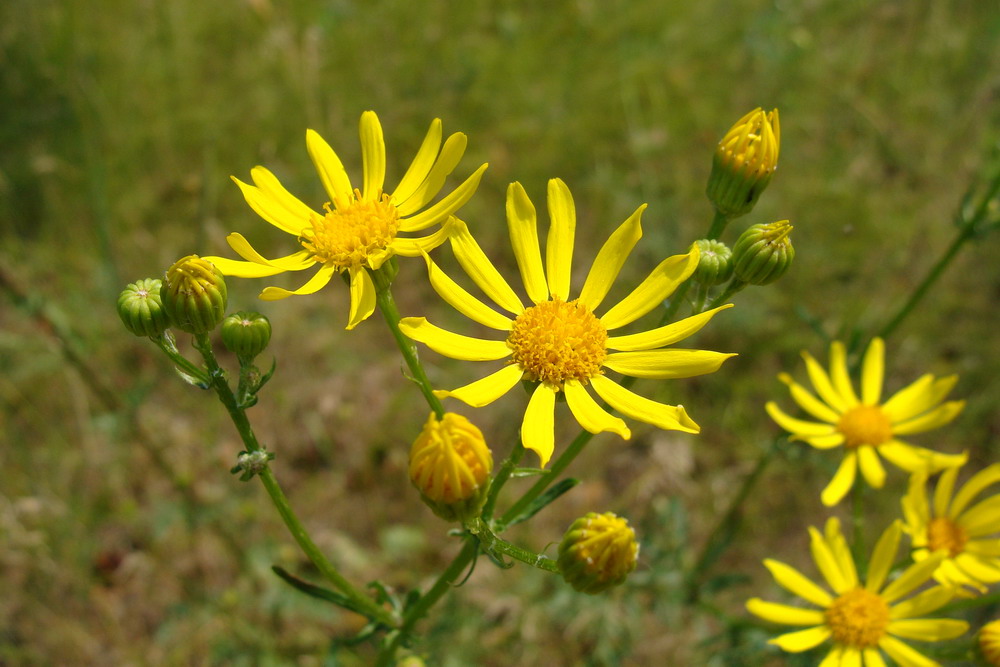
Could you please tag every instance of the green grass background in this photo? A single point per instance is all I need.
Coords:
(124, 540)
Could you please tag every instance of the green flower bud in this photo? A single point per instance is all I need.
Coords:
(763, 253)
(141, 309)
(598, 552)
(450, 465)
(715, 263)
(246, 334)
(744, 163)
(194, 294)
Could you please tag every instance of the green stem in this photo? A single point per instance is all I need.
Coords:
(238, 415)
(964, 234)
(387, 305)
(719, 223)
(728, 522)
(165, 342)
(503, 474)
(493, 544)
(428, 600)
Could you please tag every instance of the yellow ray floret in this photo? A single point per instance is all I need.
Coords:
(561, 343)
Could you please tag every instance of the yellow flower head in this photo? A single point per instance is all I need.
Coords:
(562, 343)
(357, 229)
(861, 620)
(744, 162)
(450, 465)
(969, 535)
(989, 642)
(866, 427)
(598, 552)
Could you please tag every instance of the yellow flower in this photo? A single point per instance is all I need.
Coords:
(561, 343)
(968, 534)
(862, 621)
(989, 642)
(866, 427)
(360, 230)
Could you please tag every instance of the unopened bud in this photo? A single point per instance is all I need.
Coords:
(194, 294)
(598, 552)
(744, 163)
(715, 263)
(141, 309)
(450, 465)
(763, 253)
(246, 334)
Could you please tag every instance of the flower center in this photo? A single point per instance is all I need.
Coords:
(865, 425)
(858, 618)
(943, 533)
(357, 235)
(556, 340)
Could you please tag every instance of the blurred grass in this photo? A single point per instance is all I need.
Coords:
(120, 129)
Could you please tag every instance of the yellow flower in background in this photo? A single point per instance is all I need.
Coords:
(989, 642)
(358, 229)
(861, 620)
(970, 535)
(866, 427)
(561, 343)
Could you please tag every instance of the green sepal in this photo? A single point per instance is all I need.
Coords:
(539, 503)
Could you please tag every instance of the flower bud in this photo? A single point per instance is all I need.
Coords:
(450, 465)
(744, 163)
(715, 263)
(763, 253)
(194, 294)
(989, 643)
(246, 334)
(141, 309)
(597, 552)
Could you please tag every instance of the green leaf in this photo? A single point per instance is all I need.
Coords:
(556, 490)
(317, 592)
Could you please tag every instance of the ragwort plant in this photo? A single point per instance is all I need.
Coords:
(562, 345)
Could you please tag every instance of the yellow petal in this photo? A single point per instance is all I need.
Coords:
(982, 479)
(331, 170)
(591, 416)
(912, 400)
(928, 629)
(827, 563)
(871, 467)
(414, 247)
(982, 517)
(930, 420)
(447, 205)
(421, 166)
(803, 640)
(660, 284)
(783, 613)
(538, 427)
(665, 335)
(823, 385)
(979, 569)
(262, 267)
(872, 658)
(797, 583)
(480, 269)
(841, 552)
(445, 163)
(798, 427)
(459, 299)
(630, 404)
(913, 576)
(922, 604)
(850, 656)
(314, 284)
(451, 344)
(610, 260)
(274, 210)
(294, 262)
(523, 226)
(883, 557)
(842, 480)
(372, 155)
(918, 459)
(904, 654)
(559, 243)
(483, 392)
(824, 441)
(942, 492)
(666, 364)
(362, 297)
(872, 371)
(838, 372)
